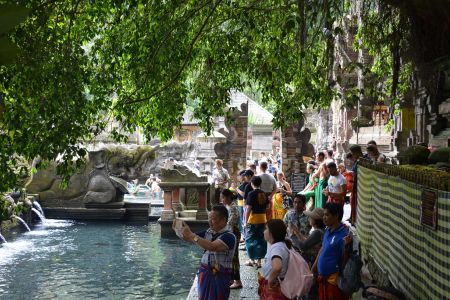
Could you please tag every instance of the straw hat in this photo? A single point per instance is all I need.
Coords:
(316, 213)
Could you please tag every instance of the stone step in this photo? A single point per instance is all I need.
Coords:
(187, 214)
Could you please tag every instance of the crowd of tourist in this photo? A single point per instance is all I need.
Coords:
(258, 211)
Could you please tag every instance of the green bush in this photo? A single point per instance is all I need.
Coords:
(439, 155)
(414, 155)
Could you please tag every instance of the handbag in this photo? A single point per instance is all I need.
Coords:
(288, 203)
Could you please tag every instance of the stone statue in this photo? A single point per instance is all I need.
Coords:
(102, 188)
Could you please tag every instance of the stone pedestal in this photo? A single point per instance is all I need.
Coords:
(176, 193)
(167, 214)
(202, 213)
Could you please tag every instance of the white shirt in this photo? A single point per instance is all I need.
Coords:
(268, 182)
(335, 183)
(278, 249)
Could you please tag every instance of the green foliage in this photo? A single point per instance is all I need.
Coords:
(141, 63)
(5, 211)
(414, 155)
(384, 34)
(440, 155)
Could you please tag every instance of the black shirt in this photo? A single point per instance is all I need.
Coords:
(257, 199)
(242, 188)
(248, 189)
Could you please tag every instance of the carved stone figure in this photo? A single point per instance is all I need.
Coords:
(99, 181)
(103, 188)
(191, 201)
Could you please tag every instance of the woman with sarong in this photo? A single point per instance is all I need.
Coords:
(322, 174)
(256, 205)
(309, 191)
(283, 190)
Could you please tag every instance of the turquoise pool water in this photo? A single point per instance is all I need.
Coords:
(86, 260)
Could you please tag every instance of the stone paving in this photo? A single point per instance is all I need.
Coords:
(249, 282)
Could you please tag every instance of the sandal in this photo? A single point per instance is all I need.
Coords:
(249, 263)
(235, 286)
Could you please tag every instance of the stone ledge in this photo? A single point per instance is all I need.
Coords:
(84, 213)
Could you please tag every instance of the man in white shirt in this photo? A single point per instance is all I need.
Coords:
(268, 184)
(337, 185)
(221, 178)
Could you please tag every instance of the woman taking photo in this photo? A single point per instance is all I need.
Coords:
(275, 262)
(310, 245)
(283, 190)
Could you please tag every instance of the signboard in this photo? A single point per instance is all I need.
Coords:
(428, 210)
(298, 182)
(408, 119)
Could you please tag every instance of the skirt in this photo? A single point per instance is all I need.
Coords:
(254, 241)
(319, 198)
(212, 283)
(236, 273)
(267, 293)
(329, 291)
(278, 209)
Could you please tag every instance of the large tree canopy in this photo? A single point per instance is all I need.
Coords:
(84, 62)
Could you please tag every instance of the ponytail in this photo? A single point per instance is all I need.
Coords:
(288, 243)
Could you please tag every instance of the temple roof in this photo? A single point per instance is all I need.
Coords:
(257, 114)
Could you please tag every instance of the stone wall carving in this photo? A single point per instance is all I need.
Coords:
(295, 144)
(234, 151)
(104, 168)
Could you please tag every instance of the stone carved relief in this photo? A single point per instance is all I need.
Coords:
(234, 151)
(113, 162)
(191, 201)
(103, 188)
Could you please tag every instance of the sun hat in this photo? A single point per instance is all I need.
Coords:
(316, 213)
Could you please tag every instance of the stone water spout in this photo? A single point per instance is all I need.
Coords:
(38, 213)
(22, 221)
(38, 207)
(2, 238)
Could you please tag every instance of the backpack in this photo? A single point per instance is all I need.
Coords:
(298, 279)
(349, 281)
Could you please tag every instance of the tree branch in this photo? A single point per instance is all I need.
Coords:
(188, 56)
